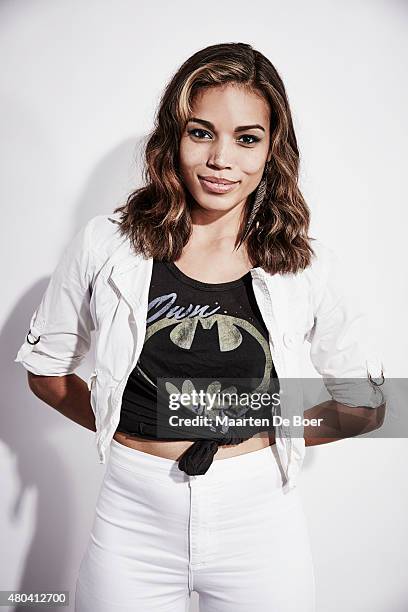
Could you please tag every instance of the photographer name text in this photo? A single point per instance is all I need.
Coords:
(222, 420)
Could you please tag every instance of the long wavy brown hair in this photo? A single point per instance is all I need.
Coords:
(156, 218)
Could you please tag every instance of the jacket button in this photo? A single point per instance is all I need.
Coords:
(287, 340)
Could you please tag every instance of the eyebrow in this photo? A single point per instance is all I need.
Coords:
(240, 128)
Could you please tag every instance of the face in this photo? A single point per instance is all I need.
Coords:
(226, 138)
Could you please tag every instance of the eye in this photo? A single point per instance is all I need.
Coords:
(192, 132)
(197, 132)
(255, 138)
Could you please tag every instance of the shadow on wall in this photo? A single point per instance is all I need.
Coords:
(39, 440)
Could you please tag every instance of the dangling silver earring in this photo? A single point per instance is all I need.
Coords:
(259, 198)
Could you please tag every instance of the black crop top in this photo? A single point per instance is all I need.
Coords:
(198, 330)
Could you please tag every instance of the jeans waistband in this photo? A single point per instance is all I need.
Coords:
(262, 462)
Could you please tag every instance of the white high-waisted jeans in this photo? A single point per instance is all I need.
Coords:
(231, 534)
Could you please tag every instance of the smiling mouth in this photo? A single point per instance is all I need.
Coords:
(215, 187)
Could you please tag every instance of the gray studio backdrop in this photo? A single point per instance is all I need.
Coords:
(79, 86)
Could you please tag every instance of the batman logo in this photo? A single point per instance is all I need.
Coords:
(210, 347)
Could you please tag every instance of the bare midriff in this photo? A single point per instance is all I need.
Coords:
(174, 449)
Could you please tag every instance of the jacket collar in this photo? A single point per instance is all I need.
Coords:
(131, 272)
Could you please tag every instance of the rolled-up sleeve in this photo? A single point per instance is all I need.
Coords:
(342, 350)
(59, 332)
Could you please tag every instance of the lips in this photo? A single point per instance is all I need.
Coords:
(214, 179)
(211, 184)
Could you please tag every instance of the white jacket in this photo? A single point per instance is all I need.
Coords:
(100, 285)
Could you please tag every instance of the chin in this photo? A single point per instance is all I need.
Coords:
(210, 203)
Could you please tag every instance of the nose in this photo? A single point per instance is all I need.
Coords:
(219, 157)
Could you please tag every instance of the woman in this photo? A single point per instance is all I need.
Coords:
(206, 272)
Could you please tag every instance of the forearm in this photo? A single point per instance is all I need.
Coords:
(340, 421)
(69, 395)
